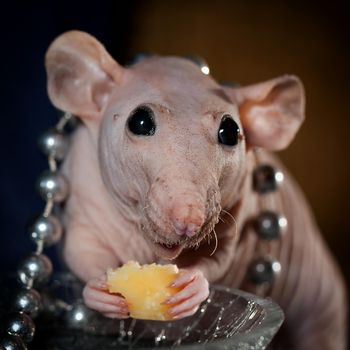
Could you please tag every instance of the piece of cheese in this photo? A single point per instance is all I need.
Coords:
(145, 288)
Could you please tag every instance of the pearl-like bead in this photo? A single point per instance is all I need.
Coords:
(35, 270)
(269, 225)
(264, 270)
(28, 301)
(53, 185)
(140, 56)
(12, 343)
(53, 144)
(46, 229)
(78, 317)
(201, 63)
(21, 325)
(266, 179)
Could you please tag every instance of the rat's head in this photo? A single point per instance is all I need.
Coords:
(172, 143)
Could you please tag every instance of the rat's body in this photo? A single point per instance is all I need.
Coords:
(158, 193)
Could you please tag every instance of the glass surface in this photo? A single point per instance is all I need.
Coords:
(229, 319)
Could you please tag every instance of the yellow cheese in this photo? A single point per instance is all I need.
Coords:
(145, 288)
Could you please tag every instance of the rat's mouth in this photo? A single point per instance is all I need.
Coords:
(169, 246)
(168, 251)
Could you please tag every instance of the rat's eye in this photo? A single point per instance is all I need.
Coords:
(228, 133)
(141, 121)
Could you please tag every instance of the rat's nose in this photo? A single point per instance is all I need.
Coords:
(187, 219)
(185, 229)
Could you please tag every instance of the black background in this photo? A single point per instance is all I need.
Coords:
(318, 158)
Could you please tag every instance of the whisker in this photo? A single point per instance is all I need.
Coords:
(222, 220)
(229, 214)
(216, 243)
(233, 219)
(208, 239)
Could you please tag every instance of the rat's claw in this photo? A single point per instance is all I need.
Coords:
(194, 282)
(96, 297)
(98, 282)
(187, 301)
(106, 308)
(190, 303)
(185, 277)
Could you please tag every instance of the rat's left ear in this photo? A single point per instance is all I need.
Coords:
(81, 74)
(271, 112)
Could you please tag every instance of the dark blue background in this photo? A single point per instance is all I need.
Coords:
(25, 110)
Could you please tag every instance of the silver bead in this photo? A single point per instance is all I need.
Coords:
(47, 229)
(232, 84)
(21, 325)
(53, 185)
(78, 317)
(266, 178)
(200, 62)
(269, 225)
(53, 143)
(12, 343)
(140, 56)
(72, 123)
(28, 301)
(264, 270)
(35, 270)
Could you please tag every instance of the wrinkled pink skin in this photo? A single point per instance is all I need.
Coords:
(129, 193)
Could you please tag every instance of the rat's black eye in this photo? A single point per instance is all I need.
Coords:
(141, 121)
(228, 133)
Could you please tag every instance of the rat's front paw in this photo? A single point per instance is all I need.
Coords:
(96, 297)
(195, 291)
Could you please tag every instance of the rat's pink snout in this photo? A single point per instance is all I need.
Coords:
(187, 220)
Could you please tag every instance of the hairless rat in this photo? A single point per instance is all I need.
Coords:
(161, 169)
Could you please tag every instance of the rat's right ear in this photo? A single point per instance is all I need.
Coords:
(81, 74)
(271, 112)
